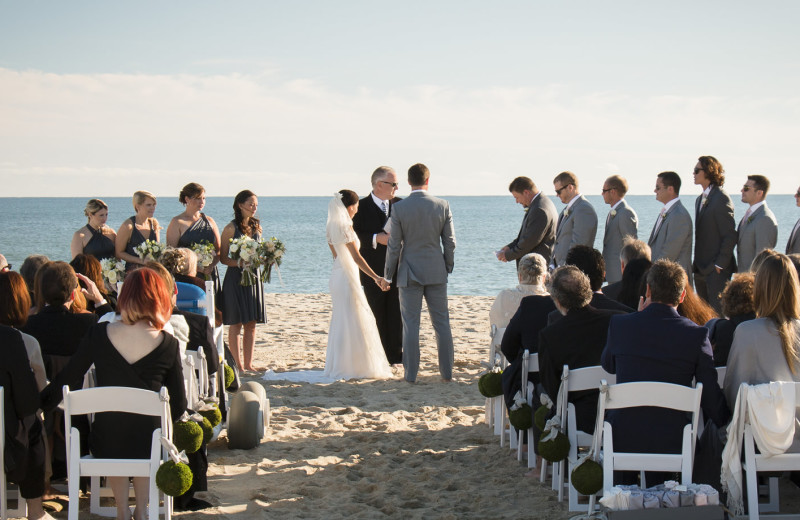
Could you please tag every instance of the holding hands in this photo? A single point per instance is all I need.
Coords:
(383, 284)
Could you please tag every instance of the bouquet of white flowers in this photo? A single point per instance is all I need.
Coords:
(245, 251)
(113, 271)
(205, 252)
(270, 253)
(149, 250)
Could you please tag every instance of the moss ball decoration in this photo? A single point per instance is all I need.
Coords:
(174, 479)
(521, 418)
(490, 384)
(187, 436)
(587, 479)
(213, 415)
(540, 417)
(229, 376)
(555, 449)
(208, 430)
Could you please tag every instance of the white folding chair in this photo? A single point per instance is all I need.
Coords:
(115, 399)
(190, 384)
(494, 360)
(580, 379)
(8, 491)
(530, 364)
(721, 376)
(198, 358)
(756, 462)
(661, 395)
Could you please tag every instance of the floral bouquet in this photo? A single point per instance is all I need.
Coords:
(205, 252)
(270, 253)
(245, 251)
(113, 271)
(149, 250)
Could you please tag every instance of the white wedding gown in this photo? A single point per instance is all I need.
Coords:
(354, 344)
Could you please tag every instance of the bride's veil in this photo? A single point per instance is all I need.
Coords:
(339, 228)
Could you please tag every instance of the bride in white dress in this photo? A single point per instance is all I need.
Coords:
(354, 344)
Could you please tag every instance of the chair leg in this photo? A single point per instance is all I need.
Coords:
(752, 493)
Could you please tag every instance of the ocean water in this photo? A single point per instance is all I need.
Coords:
(482, 224)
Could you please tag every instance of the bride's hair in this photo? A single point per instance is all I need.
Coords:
(349, 197)
(255, 224)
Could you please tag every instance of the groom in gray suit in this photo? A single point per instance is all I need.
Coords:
(420, 250)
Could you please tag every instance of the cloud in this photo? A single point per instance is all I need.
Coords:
(63, 133)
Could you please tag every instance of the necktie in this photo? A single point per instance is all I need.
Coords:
(746, 214)
(385, 207)
(659, 220)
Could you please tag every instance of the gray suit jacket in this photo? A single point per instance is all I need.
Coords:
(422, 241)
(758, 232)
(577, 228)
(538, 231)
(715, 233)
(673, 240)
(623, 224)
(793, 244)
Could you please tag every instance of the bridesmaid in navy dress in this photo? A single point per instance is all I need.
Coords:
(244, 306)
(193, 226)
(95, 238)
(137, 229)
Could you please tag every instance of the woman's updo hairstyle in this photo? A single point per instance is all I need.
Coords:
(349, 197)
(190, 191)
(179, 260)
(93, 206)
(254, 224)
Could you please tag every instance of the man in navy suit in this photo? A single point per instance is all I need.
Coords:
(373, 212)
(657, 344)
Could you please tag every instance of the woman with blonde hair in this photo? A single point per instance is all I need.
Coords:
(95, 238)
(768, 348)
(140, 227)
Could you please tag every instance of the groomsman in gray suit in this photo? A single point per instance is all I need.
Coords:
(538, 231)
(577, 223)
(758, 229)
(793, 245)
(621, 222)
(671, 237)
(715, 232)
(420, 250)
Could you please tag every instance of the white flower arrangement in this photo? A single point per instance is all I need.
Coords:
(613, 213)
(149, 250)
(245, 251)
(566, 212)
(113, 271)
(205, 252)
(270, 253)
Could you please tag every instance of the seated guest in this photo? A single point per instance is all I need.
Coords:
(531, 272)
(181, 262)
(632, 288)
(14, 305)
(90, 267)
(737, 307)
(590, 262)
(768, 348)
(135, 353)
(760, 257)
(576, 340)
(4, 264)
(30, 266)
(632, 249)
(795, 258)
(695, 308)
(24, 461)
(657, 344)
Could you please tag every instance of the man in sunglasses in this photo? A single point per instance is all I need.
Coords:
(793, 245)
(577, 223)
(758, 229)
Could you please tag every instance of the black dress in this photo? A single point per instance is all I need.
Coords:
(197, 232)
(100, 245)
(117, 434)
(136, 239)
(242, 304)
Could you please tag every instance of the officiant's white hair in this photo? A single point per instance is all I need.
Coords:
(532, 268)
(380, 173)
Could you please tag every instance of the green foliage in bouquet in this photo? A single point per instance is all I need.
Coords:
(540, 417)
(174, 479)
(555, 449)
(587, 478)
(214, 416)
(490, 384)
(187, 436)
(229, 376)
(521, 418)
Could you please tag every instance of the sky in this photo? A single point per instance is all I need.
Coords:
(102, 98)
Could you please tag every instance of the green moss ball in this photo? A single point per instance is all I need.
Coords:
(587, 478)
(214, 416)
(174, 479)
(540, 417)
(491, 384)
(229, 376)
(187, 436)
(208, 430)
(555, 450)
(522, 418)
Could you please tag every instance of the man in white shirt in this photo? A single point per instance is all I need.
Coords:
(758, 229)
(621, 223)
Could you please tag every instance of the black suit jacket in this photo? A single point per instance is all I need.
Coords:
(576, 340)
(16, 377)
(599, 301)
(201, 336)
(721, 336)
(538, 231)
(612, 290)
(522, 333)
(369, 221)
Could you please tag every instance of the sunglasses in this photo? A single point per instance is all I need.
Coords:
(698, 170)
(558, 191)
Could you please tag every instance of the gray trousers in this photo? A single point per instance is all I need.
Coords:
(410, 309)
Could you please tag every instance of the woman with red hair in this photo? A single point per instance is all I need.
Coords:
(133, 352)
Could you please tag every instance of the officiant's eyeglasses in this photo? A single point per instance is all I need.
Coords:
(392, 184)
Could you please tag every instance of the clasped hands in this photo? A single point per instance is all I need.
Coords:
(383, 284)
